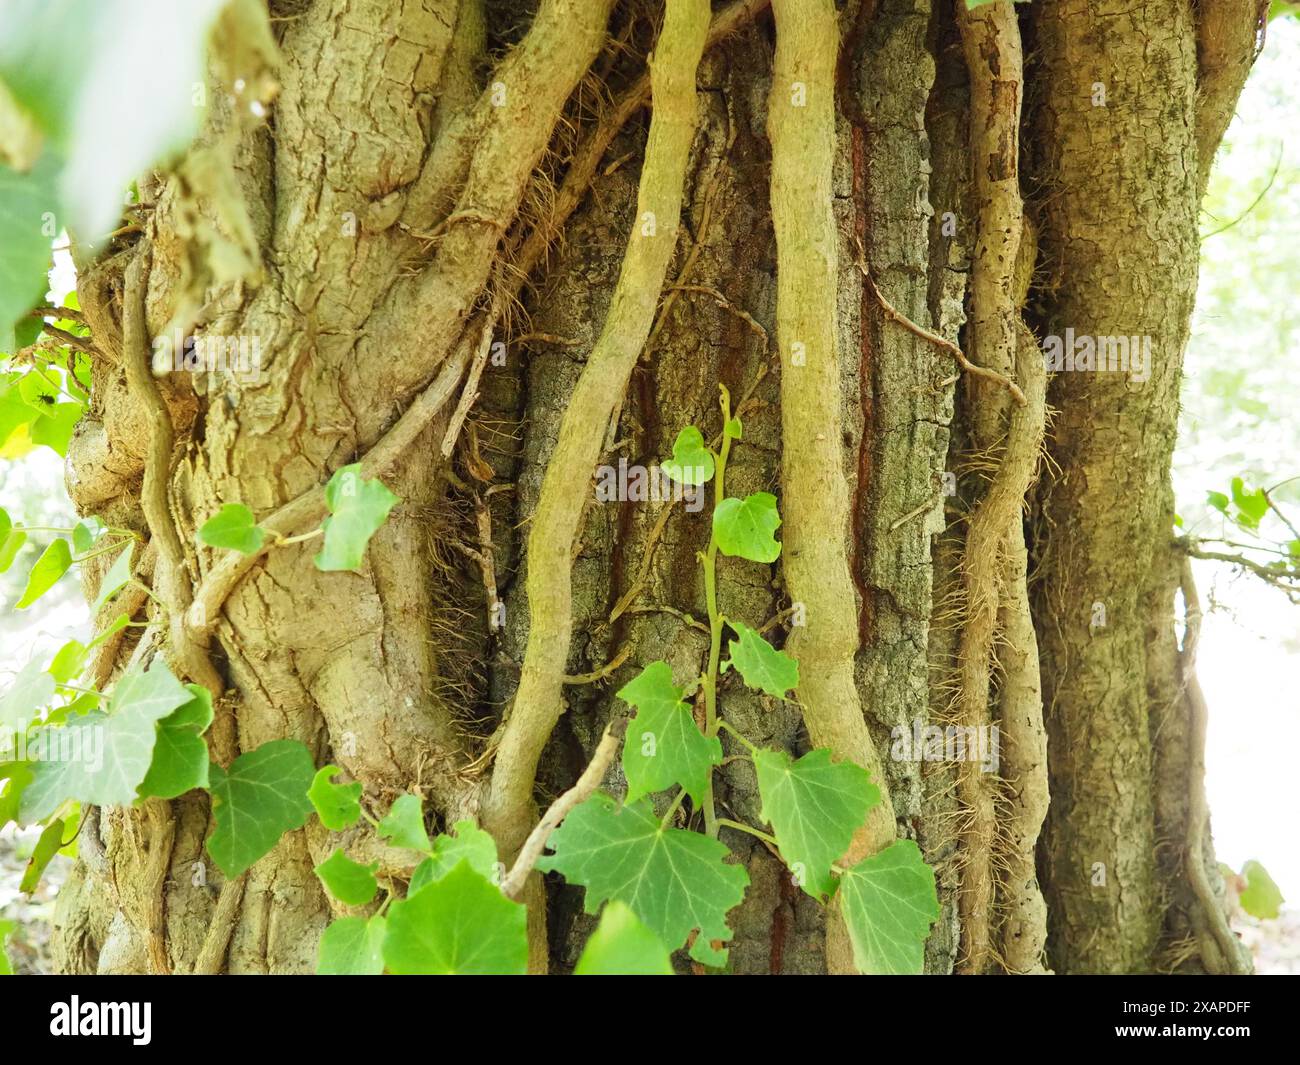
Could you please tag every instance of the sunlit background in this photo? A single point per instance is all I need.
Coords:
(1240, 418)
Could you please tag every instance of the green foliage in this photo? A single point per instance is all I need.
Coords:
(743, 528)
(692, 462)
(403, 825)
(262, 796)
(180, 756)
(1251, 505)
(337, 805)
(68, 661)
(814, 806)
(623, 946)
(14, 778)
(28, 208)
(110, 115)
(358, 507)
(889, 902)
(353, 946)
(6, 966)
(1261, 898)
(664, 745)
(760, 664)
(10, 547)
(458, 925)
(117, 578)
(234, 528)
(30, 692)
(113, 749)
(84, 535)
(47, 846)
(468, 844)
(52, 565)
(352, 883)
(675, 881)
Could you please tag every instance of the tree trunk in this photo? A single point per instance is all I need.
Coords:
(441, 172)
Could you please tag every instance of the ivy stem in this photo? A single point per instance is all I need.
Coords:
(668, 815)
(709, 562)
(739, 826)
(752, 748)
(101, 550)
(285, 541)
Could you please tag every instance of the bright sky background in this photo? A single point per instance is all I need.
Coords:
(1241, 417)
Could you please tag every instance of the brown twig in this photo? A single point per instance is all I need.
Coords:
(934, 338)
(469, 393)
(1198, 714)
(602, 672)
(587, 783)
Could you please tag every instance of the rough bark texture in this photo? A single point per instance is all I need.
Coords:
(387, 213)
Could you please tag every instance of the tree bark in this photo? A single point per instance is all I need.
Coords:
(441, 176)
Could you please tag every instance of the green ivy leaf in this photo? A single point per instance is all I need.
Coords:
(14, 778)
(30, 692)
(623, 946)
(117, 578)
(68, 661)
(85, 534)
(469, 844)
(47, 846)
(6, 929)
(27, 208)
(1253, 505)
(352, 883)
(1262, 898)
(733, 428)
(814, 806)
(743, 528)
(675, 881)
(38, 391)
(664, 746)
(760, 664)
(233, 528)
(116, 625)
(261, 797)
(9, 549)
(1218, 501)
(180, 757)
(460, 925)
(403, 825)
(52, 565)
(358, 508)
(337, 805)
(55, 429)
(352, 946)
(889, 904)
(692, 462)
(115, 748)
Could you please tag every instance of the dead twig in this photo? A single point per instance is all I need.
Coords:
(513, 885)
